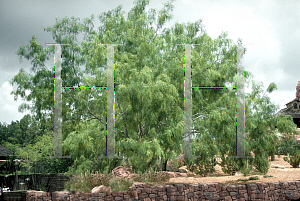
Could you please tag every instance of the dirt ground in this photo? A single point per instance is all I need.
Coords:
(287, 174)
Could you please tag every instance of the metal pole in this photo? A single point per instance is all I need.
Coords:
(110, 143)
(240, 136)
(57, 104)
(16, 180)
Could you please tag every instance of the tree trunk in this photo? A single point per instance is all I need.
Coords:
(164, 167)
(273, 158)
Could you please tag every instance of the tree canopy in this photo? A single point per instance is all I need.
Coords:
(149, 91)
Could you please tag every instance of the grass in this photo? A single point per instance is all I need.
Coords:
(87, 181)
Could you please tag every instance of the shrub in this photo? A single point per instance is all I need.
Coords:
(293, 160)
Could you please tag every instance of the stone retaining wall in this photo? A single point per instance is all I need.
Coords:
(289, 190)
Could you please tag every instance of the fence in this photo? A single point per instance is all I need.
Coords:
(43, 182)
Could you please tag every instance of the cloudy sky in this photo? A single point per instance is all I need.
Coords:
(271, 28)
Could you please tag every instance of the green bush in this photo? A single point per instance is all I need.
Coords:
(246, 170)
(261, 163)
(229, 165)
(243, 179)
(293, 152)
(254, 178)
(206, 164)
(293, 160)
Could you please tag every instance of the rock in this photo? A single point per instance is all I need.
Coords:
(267, 176)
(171, 174)
(171, 166)
(119, 172)
(175, 174)
(183, 170)
(183, 174)
(122, 172)
(238, 174)
(101, 189)
(277, 166)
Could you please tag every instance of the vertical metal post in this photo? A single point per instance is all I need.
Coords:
(110, 152)
(187, 103)
(110, 136)
(57, 104)
(240, 136)
(240, 149)
(16, 186)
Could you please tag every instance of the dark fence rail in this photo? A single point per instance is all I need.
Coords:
(40, 182)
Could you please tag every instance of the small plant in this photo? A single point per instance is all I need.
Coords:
(120, 185)
(243, 179)
(254, 178)
(87, 181)
(294, 160)
(246, 170)
(258, 173)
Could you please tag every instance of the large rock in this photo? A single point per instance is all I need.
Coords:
(117, 173)
(123, 172)
(171, 164)
(175, 174)
(238, 174)
(101, 189)
(183, 169)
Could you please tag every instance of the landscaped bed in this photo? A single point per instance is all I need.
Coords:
(85, 183)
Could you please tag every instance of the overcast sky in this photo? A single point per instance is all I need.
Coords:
(273, 28)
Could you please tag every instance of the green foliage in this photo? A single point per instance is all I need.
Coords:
(293, 156)
(56, 165)
(81, 165)
(246, 169)
(149, 112)
(33, 156)
(254, 178)
(261, 164)
(250, 178)
(206, 163)
(120, 185)
(243, 179)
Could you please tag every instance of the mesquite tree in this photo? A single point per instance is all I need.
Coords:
(149, 92)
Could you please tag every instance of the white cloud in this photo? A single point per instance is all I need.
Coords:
(9, 110)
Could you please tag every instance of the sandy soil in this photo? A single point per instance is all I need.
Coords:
(286, 174)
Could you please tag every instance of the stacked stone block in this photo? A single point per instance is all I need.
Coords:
(289, 190)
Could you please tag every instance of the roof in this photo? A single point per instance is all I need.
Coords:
(4, 151)
(292, 101)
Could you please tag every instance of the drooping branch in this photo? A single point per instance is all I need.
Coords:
(104, 123)
(122, 115)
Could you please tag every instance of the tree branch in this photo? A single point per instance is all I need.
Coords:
(104, 123)
(122, 114)
(164, 124)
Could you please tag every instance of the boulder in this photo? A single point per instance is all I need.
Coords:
(238, 174)
(171, 164)
(171, 174)
(175, 174)
(101, 189)
(123, 172)
(184, 171)
(277, 166)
